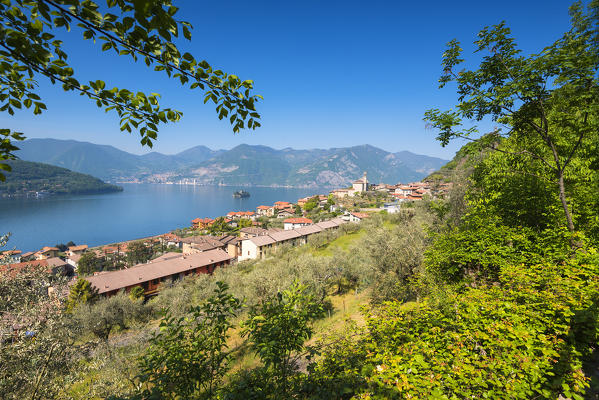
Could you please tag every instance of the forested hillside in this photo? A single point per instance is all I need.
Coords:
(30, 177)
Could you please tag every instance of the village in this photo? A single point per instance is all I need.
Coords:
(210, 243)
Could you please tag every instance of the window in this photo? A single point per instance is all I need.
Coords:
(155, 281)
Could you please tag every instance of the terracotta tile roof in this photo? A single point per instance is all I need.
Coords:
(281, 203)
(28, 254)
(138, 274)
(10, 252)
(263, 208)
(46, 249)
(48, 264)
(78, 248)
(360, 215)
(300, 220)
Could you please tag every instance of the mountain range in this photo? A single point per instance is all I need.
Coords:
(242, 165)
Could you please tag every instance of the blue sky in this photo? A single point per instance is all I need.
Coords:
(332, 73)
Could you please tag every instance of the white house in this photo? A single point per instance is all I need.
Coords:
(256, 247)
(293, 223)
(357, 216)
(391, 208)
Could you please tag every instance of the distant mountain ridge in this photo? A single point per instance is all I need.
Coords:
(242, 165)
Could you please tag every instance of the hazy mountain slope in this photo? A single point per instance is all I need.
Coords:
(242, 165)
(197, 154)
(105, 162)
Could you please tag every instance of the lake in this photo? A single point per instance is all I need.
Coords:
(141, 210)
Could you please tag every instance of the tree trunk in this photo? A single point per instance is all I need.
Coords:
(562, 197)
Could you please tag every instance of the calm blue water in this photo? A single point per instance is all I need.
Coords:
(139, 211)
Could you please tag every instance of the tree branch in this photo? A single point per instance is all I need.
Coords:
(133, 48)
(74, 87)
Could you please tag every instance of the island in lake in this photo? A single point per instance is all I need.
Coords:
(32, 179)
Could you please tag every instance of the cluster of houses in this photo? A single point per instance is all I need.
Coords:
(202, 254)
(414, 191)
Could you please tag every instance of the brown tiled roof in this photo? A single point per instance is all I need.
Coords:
(327, 224)
(49, 264)
(166, 256)
(138, 274)
(262, 240)
(253, 230)
(300, 220)
(284, 235)
(308, 230)
(199, 239)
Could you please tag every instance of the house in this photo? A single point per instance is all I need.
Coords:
(306, 231)
(265, 211)
(28, 256)
(293, 223)
(302, 202)
(76, 250)
(357, 216)
(53, 265)
(232, 245)
(246, 233)
(242, 214)
(285, 213)
(199, 244)
(46, 252)
(404, 190)
(340, 193)
(171, 240)
(280, 205)
(149, 276)
(10, 256)
(201, 223)
(361, 185)
(256, 247)
(391, 208)
(73, 260)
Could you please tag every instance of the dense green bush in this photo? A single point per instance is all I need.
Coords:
(525, 337)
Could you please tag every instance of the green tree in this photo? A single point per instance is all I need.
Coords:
(138, 252)
(37, 339)
(143, 30)
(136, 293)
(81, 292)
(89, 263)
(105, 315)
(279, 327)
(548, 102)
(188, 357)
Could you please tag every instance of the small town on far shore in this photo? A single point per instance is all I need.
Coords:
(210, 243)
